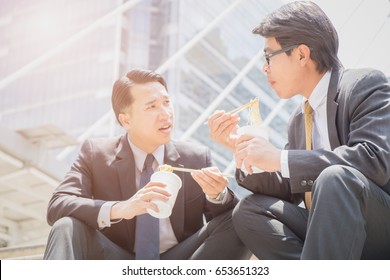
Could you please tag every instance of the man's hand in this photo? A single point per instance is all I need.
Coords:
(140, 201)
(223, 127)
(256, 151)
(210, 180)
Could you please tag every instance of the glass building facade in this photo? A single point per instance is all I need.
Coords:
(72, 87)
(59, 60)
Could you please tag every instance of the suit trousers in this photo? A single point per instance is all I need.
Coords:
(72, 239)
(349, 219)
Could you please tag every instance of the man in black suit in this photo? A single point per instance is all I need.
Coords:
(342, 165)
(95, 210)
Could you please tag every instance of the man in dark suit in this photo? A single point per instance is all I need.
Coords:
(95, 210)
(345, 171)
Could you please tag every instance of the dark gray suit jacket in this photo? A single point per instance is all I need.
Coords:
(105, 171)
(358, 115)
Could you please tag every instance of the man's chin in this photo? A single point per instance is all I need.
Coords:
(165, 139)
(282, 95)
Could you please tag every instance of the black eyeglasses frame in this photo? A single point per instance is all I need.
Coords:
(283, 50)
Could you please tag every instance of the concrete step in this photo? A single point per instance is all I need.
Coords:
(30, 252)
(33, 252)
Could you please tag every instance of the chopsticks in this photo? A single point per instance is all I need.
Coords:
(241, 108)
(169, 168)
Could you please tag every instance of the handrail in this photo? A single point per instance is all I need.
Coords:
(206, 113)
(64, 45)
(163, 67)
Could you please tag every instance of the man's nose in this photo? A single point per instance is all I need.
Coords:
(166, 111)
(266, 67)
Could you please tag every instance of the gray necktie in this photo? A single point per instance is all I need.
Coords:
(147, 237)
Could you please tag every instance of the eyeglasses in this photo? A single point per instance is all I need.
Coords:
(286, 49)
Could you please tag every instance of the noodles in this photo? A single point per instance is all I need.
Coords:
(254, 112)
(165, 167)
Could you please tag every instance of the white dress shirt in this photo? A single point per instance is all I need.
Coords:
(317, 101)
(167, 236)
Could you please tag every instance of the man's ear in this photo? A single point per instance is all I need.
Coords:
(124, 119)
(304, 53)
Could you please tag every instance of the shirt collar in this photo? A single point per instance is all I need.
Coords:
(140, 155)
(317, 97)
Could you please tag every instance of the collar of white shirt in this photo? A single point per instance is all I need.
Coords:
(319, 93)
(140, 155)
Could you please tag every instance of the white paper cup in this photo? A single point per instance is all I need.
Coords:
(173, 185)
(256, 131)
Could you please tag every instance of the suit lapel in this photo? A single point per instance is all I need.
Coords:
(171, 157)
(125, 168)
(332, 106)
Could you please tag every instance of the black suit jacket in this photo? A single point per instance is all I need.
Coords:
(105, 171)
(358, 115)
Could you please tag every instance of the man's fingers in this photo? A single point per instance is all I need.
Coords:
(155, 184)
(248, 168)
(215, 175)
(221, 122)
(228, 123)
(148, 197)
(199, 178)
(243, 138)
(154, 189)
(215, 116)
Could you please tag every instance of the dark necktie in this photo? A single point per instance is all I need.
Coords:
(308, 133)
(147, 237)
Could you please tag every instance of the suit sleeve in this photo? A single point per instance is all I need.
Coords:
(74, 196)
(211, 209)
(364, 132)
(272, 184)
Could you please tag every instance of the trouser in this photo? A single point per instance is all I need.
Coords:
(349, 219)
(72, 239)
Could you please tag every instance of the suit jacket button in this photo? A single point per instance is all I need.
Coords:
(310, 182)
(303, 183)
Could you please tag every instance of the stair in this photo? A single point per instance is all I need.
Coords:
(31, 252)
